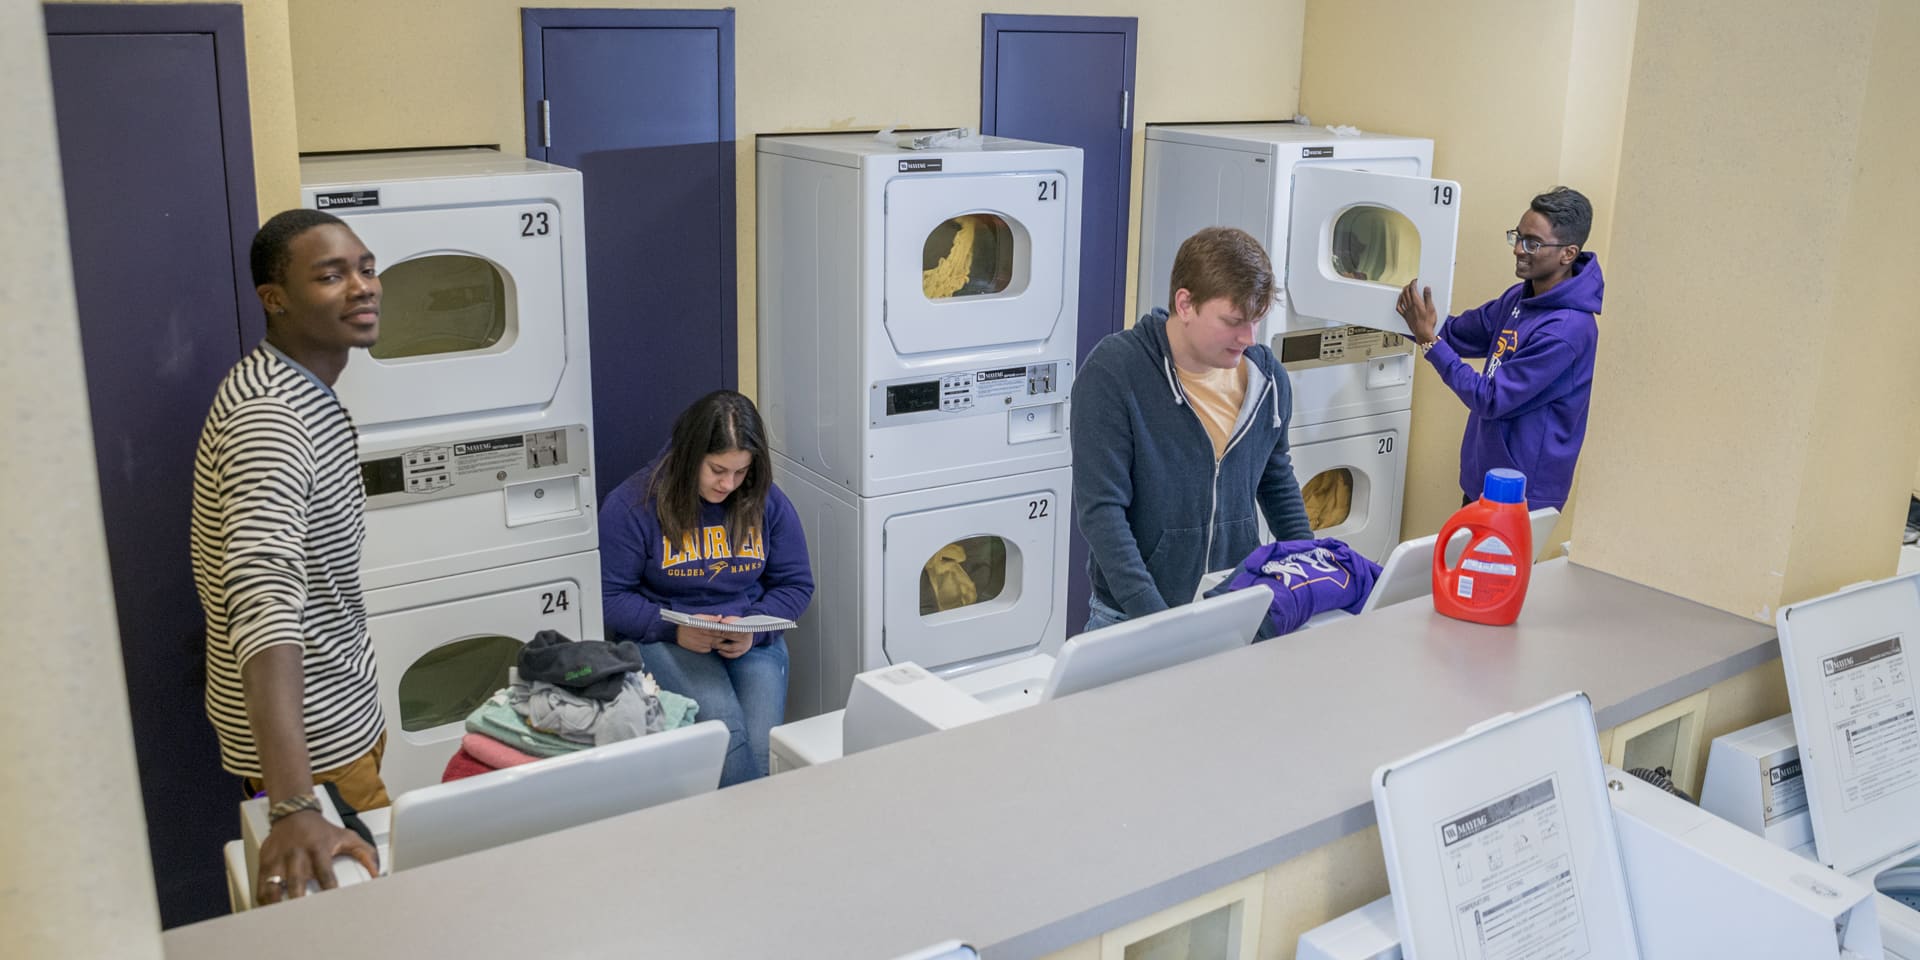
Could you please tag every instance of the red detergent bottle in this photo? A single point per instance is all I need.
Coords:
(1490, 582)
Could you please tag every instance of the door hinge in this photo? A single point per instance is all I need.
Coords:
(1126, 108)
(546, 123)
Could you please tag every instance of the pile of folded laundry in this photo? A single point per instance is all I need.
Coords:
(563, 696)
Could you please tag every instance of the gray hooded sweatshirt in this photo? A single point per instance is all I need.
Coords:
(1155, 506)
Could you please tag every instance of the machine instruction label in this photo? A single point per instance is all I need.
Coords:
(346, 199)
(1876, 737)
(1009, 382)
(1784, 793)
(1510, 878)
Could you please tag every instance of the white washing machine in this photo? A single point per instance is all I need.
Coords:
(1352, 409)
(955, 578)
(475, 425)
(443, 646)
(474, 409)
(917, 308)
(918, 313)
(1348, 220)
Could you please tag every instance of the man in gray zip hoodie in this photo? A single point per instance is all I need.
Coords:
(1179, 428)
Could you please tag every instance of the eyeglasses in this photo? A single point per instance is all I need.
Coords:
(1529, 244)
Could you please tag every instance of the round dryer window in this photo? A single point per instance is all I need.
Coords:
(452, 680)
(1328, 498)
(1376, 245)
(967, 256)
(963, 573)
(440, 304)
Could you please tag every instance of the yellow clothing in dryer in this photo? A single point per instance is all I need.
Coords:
(1328, 498)
(952, 272)
(946, 576)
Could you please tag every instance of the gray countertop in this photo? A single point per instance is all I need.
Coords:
(1034, 830)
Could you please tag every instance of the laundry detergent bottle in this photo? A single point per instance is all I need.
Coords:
(1490, 582)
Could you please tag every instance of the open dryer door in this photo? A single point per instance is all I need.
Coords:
(1356, 238)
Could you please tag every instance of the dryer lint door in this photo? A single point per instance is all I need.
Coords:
(1356, 238)
(971, 581)
(437, 662)
(975, 260)
(472, 317)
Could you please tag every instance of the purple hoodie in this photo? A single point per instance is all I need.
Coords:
(1528, 408)
(642, 574)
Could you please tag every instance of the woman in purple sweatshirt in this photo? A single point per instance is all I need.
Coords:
(702, 530)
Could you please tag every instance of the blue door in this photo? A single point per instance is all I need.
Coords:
(150, 108)
(1069, 80)
(641, 103)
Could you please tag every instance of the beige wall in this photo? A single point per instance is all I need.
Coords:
(1754, 437)
(75, 880)
(276, 161)
(1517, 96)
(438, 73)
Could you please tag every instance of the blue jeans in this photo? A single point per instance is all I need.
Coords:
(1100, 615)
(748, 694)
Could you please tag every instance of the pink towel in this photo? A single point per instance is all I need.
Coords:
(492, 752)
(461, 766)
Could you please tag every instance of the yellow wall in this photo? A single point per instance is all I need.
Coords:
(276, 161)
(1517, 96)
(1756, 417)
(430, 72)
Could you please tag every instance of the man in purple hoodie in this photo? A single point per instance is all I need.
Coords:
(1527, 409)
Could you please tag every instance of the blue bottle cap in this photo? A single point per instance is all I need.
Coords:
(1504, 486)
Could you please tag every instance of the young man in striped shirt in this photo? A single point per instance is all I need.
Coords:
(276, 533)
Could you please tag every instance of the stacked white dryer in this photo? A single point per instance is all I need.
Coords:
(1348, 220)
(917, 319)
(474, 416)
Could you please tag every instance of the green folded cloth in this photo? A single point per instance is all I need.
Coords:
(680, 710)
(496, 719)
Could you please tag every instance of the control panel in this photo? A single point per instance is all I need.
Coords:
(969, 392)
(1307, 349)
(476, 465)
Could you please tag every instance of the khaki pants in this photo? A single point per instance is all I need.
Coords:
(358, 780)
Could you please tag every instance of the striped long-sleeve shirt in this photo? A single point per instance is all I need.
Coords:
(277, 526)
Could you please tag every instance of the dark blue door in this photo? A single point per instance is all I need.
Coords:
(641, 103)
(1069, 80)
(150, 106)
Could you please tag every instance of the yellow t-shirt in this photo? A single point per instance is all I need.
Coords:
(1216, 396)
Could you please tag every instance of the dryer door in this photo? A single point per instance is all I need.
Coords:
(472, 314)
(975, 260)
(971, 581)
(445, 655)
(1351, 482)
(1356, 238)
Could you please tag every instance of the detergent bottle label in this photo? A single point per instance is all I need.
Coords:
(1488, 573)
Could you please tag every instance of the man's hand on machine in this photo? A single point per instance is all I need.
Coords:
(301, 848)
(1416, 307)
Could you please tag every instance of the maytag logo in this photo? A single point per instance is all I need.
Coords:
(346, 199)
(1316, 153)
(920, 166)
